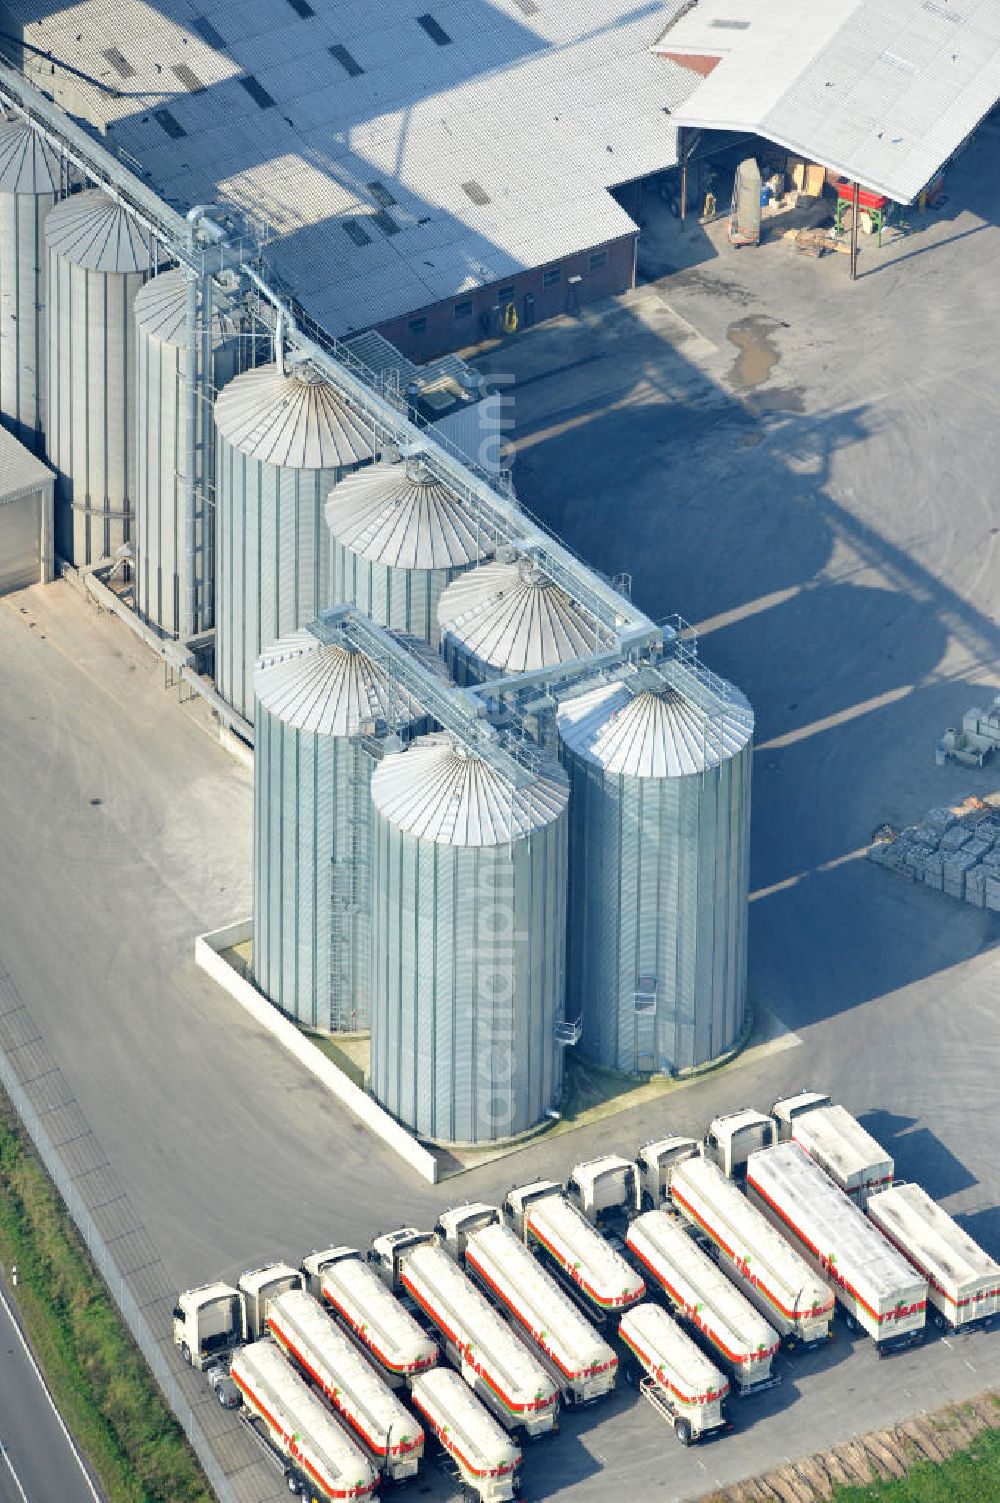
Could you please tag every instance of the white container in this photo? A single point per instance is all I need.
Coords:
(963, 1281)
(683, 1383)
(485, 1455)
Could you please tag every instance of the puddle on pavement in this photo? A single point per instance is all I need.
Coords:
(758, 355)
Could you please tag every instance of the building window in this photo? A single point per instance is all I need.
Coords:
(418, 325)
(551, 276)
(434, 30)
(598, 259)
(347, 61)
(463, 310)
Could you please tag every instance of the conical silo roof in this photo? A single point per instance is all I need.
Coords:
(161, 309)
(93, 232)
(402, 516)
(28, 164)
(438, 790)
(511, 616)
(629, 728)
(295, 422)
(327, 688)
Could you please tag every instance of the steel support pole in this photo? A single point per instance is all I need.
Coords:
(188, 623)
(682, 142)
(854, 233)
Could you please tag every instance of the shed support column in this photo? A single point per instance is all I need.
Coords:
(854, 233)
(196, 397)
(682, 143)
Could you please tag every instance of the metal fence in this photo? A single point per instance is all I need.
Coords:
(124, 1253)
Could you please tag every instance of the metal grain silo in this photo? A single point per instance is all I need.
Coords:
(399, 537)
(30, 173)
(469, 936)
(322, 709)
(98, 259)
(283, 443)
(165, 535)
(659, 765)
(508, 617)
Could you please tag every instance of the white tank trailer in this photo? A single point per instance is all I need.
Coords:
(284, 441)
(877, 1288)
(484, 1454)
(324, 712)
(385, 1431)
(469, 935)
(703, 1296)
(98, 259)
(31, 180)
(581, 1361)
(772, 1275)
(680, 1382)
(505, 1375)
(175, 544)
(356, 1296)
(963, 1281)
(399, 537)
(508, 617)
(258, 1287)
(659, 764)
(320, 1462)
(596, 1275)
(837, 1142)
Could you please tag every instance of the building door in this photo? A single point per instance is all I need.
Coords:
(19, 543)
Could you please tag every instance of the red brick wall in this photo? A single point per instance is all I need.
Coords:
(444, 332)
(695, 62)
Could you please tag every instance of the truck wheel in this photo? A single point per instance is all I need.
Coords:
(939, 1320)
(682, 1429)
(185, 1353)
(849, 1321)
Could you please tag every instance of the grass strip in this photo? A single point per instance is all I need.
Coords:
(97, 1376)
(969, 1476)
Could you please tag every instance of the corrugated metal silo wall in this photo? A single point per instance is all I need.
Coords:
(90, 410)
(468, 981)
(464, 666)
(272, 562)
(312, 875)
(405, 599)
(160, 501)
(660, 872)
(22, 313)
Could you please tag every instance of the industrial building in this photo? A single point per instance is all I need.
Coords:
(26, 516)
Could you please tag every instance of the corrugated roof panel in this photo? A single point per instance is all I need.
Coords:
(27, 164)
(515, 619)
(293, 422)
(400, 516)
(91, 231)
(326, 688)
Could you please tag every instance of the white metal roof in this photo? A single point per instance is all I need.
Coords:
(672, 1351)
(456, 1300)
(294, 421)
(20, 471)
(401, 516)
(161, 310)
(255, 1280)
(27, 164)
(376, 1315)
(437, 790)
(447, 1402)
(839, 1143)
(515, 619)
(327, 688)
(262, 1373)
(652, 733)
(934, 1240)
(502, 1257)
(703, 1193)
(883, 91)
(814, 1206)
(663, 1242)
(92, 231)
(299, 1322)
(543, 106)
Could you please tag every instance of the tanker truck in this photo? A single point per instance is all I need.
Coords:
(357, 1298)
(597, 1276)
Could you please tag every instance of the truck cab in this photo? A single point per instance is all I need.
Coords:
(258, 1287)
(606, 1190)
(208, 1324)
(788, 1108)
(656, 1161)
(731, 1140)
(315, 1264)
(521, 1197)
(455, 1226)
(388, 1251)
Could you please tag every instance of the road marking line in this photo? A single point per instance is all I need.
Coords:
(10, 1468)
(52, 1403)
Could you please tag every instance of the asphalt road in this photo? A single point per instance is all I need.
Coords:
(832, 528)
(38, 1462)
